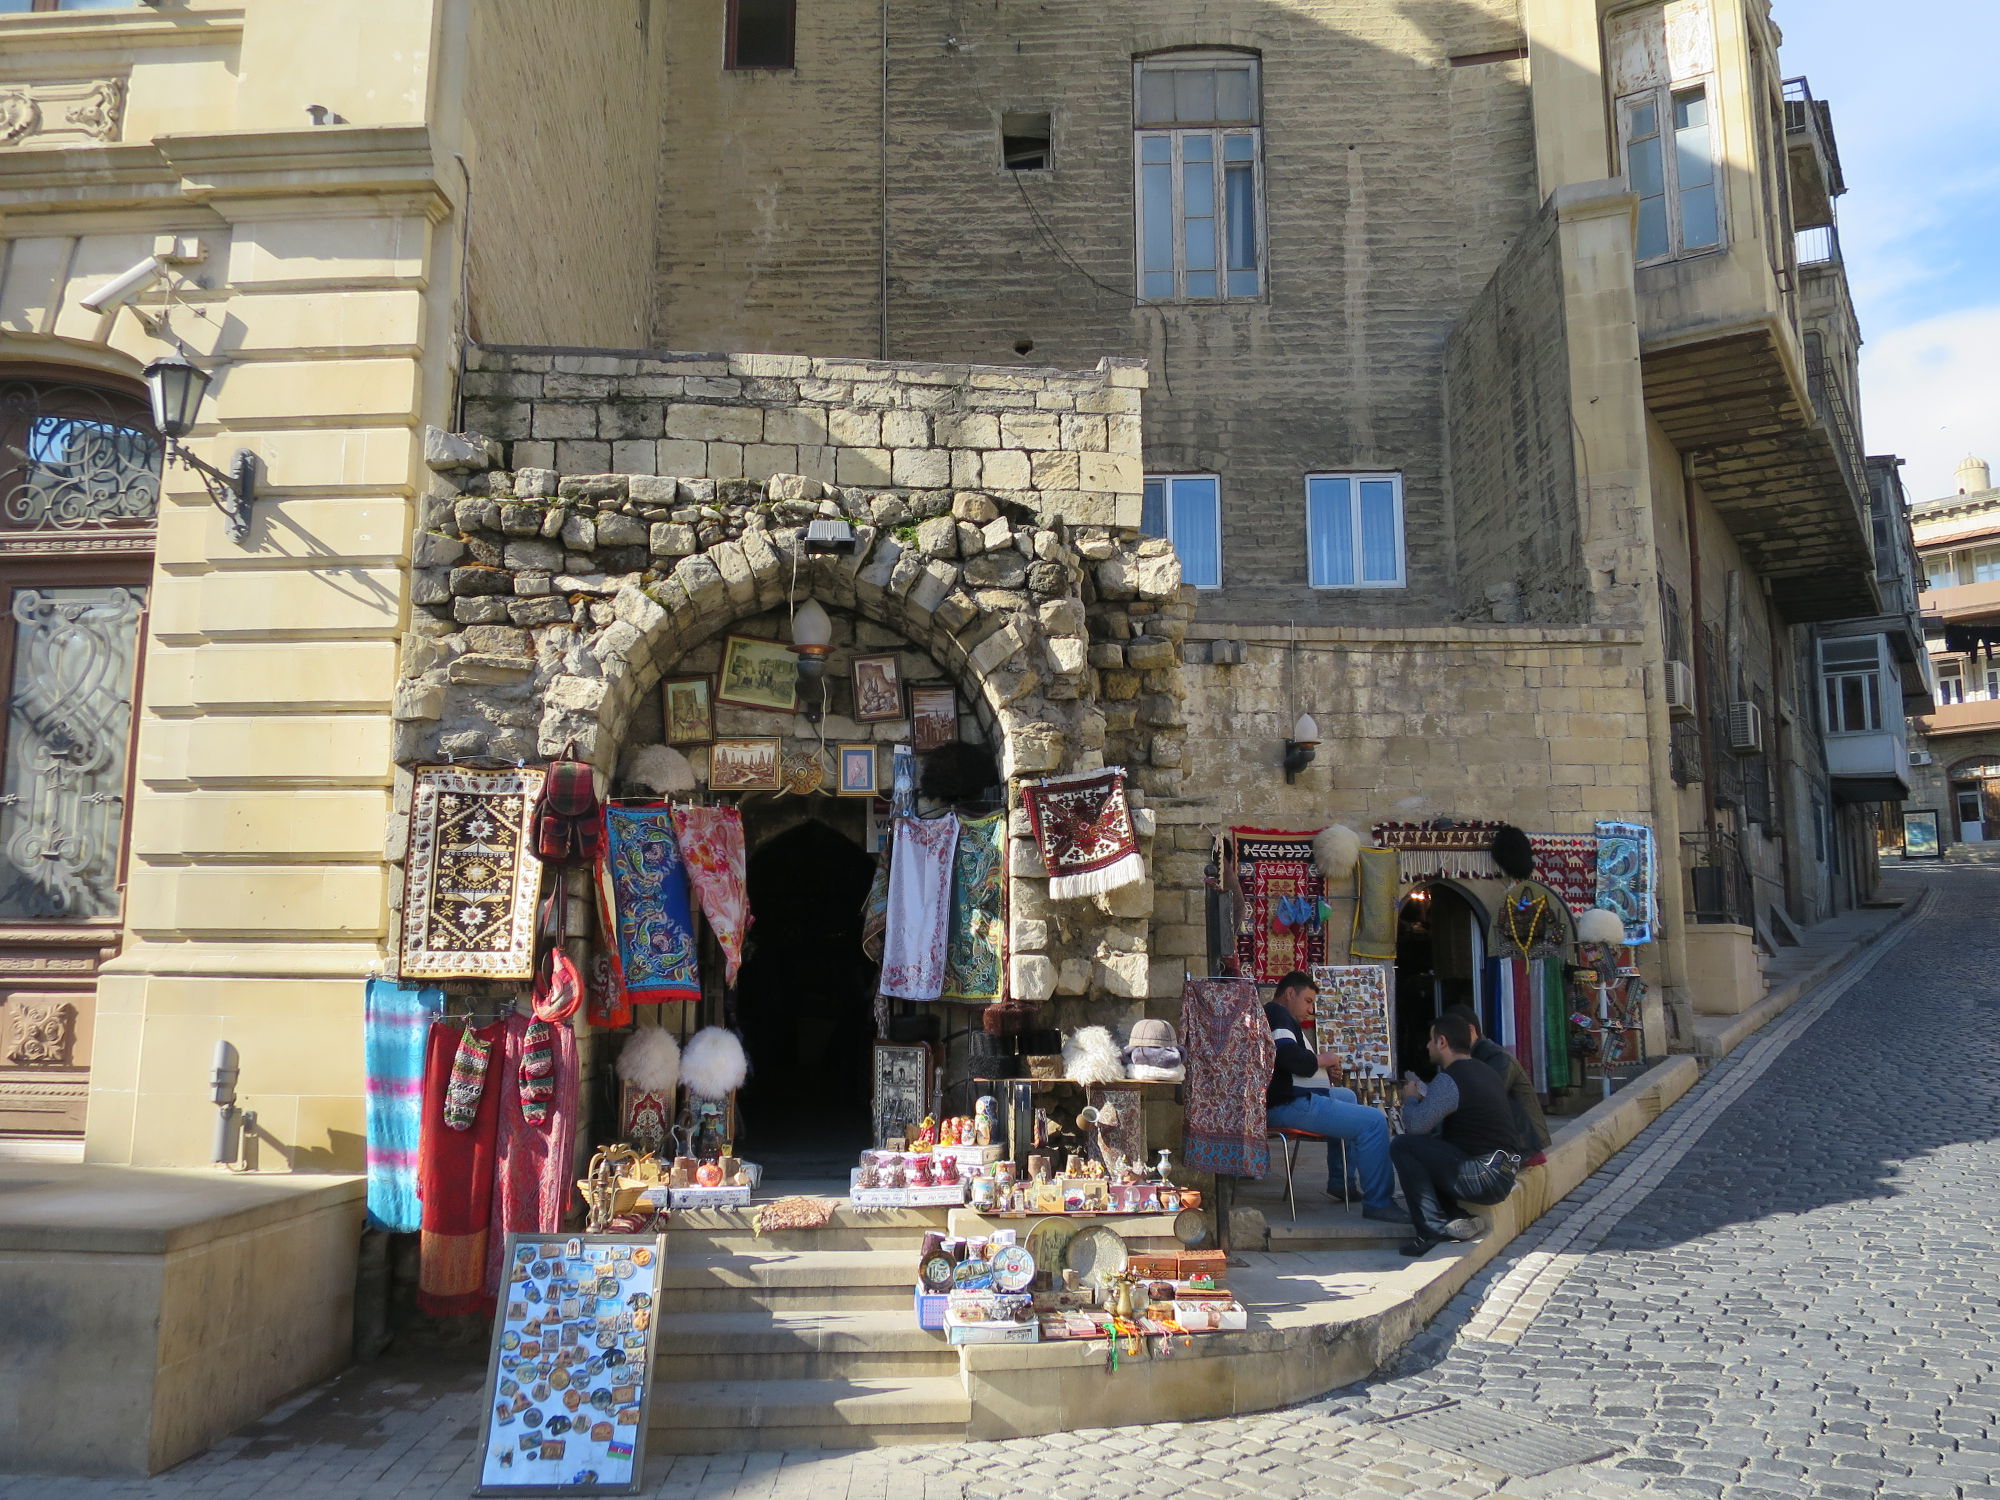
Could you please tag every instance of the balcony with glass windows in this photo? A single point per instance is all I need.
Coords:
(1865, 734)
(1773, 434)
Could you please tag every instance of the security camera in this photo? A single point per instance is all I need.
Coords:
(122, 288)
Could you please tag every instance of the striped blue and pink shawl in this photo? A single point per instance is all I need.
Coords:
(395, 1023)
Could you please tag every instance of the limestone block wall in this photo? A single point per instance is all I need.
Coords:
(1065, 443)
(849, 207)
(1512, 464)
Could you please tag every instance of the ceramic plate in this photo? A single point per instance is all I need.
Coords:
(1096, 1255)
(1049, 1239)
(1013, 1269)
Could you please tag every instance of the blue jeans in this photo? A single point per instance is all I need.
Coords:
(1337, 1115)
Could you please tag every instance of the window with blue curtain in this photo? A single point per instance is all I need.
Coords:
(1354, 531)
(1199, 206)
(1186, 509)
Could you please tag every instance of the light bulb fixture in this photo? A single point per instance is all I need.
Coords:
(1301, 747)
(812, 643)
(176, 387)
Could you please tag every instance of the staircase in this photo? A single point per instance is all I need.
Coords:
(799, 1339)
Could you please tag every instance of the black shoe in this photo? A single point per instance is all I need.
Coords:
(1422, 1245)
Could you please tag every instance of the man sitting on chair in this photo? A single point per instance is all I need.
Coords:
(1302, 1097)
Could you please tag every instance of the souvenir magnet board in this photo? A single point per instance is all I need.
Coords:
(1351, 1017)
(571, 1370)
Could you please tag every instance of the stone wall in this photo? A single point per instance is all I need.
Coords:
(1064, 443)
(548, 607)
(1391, 195)
(1512, 460)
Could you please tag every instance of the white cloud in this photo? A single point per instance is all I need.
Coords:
(1930, 392)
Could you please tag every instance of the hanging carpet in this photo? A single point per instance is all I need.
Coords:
(395, 1025)
(455, 1181)
(1230, 1054)
(1430, 851)
(1567, 864)
(1626, 877)
(711, 840)
(643, 894)
(1281, 928)
(975, 945)
(914, 948)
(470, 879)
(1083, 826)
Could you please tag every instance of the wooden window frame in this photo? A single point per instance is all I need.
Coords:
(1660, 99)
(1218, 133)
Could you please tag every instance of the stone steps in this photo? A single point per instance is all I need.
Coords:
(800, 1344)
(708, 1230)
(796, 1279)
(717, 1416)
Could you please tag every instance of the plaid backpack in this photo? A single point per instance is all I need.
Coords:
(568, 822)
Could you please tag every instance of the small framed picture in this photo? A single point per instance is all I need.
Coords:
(857, 770)
(933, 714)
(689, 707)
(744, 764)
(878, 688)
(757, 673)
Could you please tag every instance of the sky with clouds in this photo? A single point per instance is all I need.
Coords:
(1918, 123)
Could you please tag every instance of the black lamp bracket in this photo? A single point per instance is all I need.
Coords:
(233, 493)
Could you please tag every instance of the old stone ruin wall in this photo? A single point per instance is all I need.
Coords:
(547, 606)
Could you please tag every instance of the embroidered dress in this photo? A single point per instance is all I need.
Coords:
(1626, 881)
(974, 952)
(1083, 826)
(913, 951)
(455, 1182)
(1282, 928)
(642, 888)
(471, 879)
(533, 1174)
(1230, 1055)
(395, 1024)
(711, 840)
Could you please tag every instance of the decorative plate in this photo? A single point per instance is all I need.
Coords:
(1194, 1229)
(804, 772)
(1049, 1239)
(1013, 1269)
(1096, 1255)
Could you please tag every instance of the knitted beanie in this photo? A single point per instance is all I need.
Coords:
(468, 1079)
(538, 1072)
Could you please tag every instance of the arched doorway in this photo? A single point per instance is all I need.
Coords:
(805, 996)
(1440, 951)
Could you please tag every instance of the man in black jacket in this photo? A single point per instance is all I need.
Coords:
(1460, 1145)
(1530, 1125)
(1302, 1096)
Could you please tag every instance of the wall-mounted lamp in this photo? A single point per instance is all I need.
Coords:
(812, 641)
(1299, 749)
(176, 387)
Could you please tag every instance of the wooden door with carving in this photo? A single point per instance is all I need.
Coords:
(79, 499)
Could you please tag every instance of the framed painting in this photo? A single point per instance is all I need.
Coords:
(857, 770)
(903, 1087)
(688, 704)
(757, 673)
(878, 688)
(752, 764)
(933, 715)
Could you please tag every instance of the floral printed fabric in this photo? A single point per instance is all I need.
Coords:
(643, 888)
(913, 953)
(978, 917)
(711, 841)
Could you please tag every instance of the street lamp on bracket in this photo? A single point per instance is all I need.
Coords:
(176, 387)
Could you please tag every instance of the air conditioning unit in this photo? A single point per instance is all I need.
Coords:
(1680, 690)
(1746, 729)
(1920, 757)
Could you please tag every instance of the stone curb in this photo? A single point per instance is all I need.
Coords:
(1720, 1043)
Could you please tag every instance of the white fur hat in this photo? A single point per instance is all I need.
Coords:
(1091, 1056)
(713, 1064)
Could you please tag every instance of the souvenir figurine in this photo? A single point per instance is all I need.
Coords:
(1003, 1173)
(708, 1174)
(920, 1172)
(1038, 1168)
(926, 1136)
(681, 1173)
(985, 1114)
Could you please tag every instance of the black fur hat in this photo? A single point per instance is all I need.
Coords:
(1513, 853)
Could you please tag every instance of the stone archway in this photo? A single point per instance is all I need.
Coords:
(549, 606)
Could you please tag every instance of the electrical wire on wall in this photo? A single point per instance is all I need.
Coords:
(1046, 232)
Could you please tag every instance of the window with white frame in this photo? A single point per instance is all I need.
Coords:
(1354, 531)
(1199, 190)
(1951, 684)
(1187, 510)
(1851, 669)
(1670, 163)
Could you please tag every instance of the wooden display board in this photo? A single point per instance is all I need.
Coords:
(1351, 1017)
(903, 1086)
(571, 1370)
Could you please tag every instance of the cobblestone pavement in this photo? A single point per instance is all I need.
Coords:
(1784, 1288)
